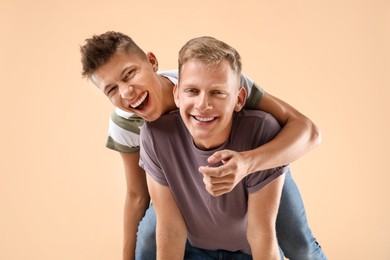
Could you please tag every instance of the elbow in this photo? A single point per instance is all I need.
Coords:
(312, 132)
(137, 199)
(315, 137)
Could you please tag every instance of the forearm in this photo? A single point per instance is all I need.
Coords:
(265, 245)
(136, 203)
(297, 137)
(170, 243)
(263, 208)
(134, 210)
(171, 230)
(294, 140)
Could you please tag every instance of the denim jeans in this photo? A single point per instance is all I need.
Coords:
(292, 229)
(294, 235)
(194, 253)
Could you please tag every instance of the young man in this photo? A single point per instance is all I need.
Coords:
(241, 223)
(129, 78)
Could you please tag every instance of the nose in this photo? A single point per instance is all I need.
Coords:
(126, 90)
(202, 102)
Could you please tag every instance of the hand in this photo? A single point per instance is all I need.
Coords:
(222, 179)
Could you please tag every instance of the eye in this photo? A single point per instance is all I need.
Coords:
(191, 91)
(128, 75)
(111, 91)
(219, 93)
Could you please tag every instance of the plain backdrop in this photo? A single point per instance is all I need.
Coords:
(62, 192)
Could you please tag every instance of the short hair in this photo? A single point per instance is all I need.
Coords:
(99, 49)
(209, 51)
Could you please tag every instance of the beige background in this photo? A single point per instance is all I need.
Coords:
(62, 191)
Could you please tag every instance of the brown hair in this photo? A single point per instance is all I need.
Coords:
(209, 51)
(99, 49)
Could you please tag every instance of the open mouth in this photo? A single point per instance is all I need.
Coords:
(141, 102)
(204, 119)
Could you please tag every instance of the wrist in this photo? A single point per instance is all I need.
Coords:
(252, 161)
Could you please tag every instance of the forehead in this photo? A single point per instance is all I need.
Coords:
(111, 71)
(195, 72)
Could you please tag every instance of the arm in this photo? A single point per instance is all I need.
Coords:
(263, 208)
(136, 203)
(298, 136)
(171, 232)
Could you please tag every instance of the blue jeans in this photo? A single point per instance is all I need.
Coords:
(294, 235)
(194, 253)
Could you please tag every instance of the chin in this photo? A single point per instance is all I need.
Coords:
(152, 117)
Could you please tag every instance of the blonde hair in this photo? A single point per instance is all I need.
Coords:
(209, 51)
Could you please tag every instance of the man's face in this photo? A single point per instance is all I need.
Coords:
(207, 98)
(131, 83)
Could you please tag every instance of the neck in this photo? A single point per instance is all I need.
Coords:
(168, 101)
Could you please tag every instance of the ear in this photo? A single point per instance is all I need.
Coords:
(176, 95)
(241, 98)
(153, 60)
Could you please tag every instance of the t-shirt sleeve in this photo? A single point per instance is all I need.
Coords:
(172, 75)
(254, 92)
(148, 159)
(123, 132)
(260, 179)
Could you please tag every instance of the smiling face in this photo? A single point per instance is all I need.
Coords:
(131, 83)
(207, 97)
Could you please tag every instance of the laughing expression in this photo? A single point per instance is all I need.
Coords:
(207, 97)
(132, 84)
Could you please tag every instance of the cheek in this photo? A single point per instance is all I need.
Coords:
(115, 100)
(183, 115)
(227, 109)
(177, 102)
(184, 104)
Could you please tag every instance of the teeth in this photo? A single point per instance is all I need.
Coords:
(136, 104)
(204, 119)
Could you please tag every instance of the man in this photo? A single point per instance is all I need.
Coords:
(238, 224)
(129, 78)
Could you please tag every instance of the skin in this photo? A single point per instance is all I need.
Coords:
(209, 123)
(136, 202)
(171, 230)
(207, 99)
(263, 208)
(125, 79)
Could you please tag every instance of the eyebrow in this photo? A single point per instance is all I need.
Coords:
(120, 76)
(215, 85)
(124, 71)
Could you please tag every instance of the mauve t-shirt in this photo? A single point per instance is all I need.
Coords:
(170, 157)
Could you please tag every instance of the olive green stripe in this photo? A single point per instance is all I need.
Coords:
(254, 98)
(131, 124)
(111, 144)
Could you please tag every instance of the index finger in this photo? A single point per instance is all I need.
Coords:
(219, 171)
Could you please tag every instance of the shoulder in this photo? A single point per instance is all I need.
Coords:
(126, 120)
(172, 75)
(246, 115)
(256, 123)
(166, 123)
(254, 92)
(123, 131)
